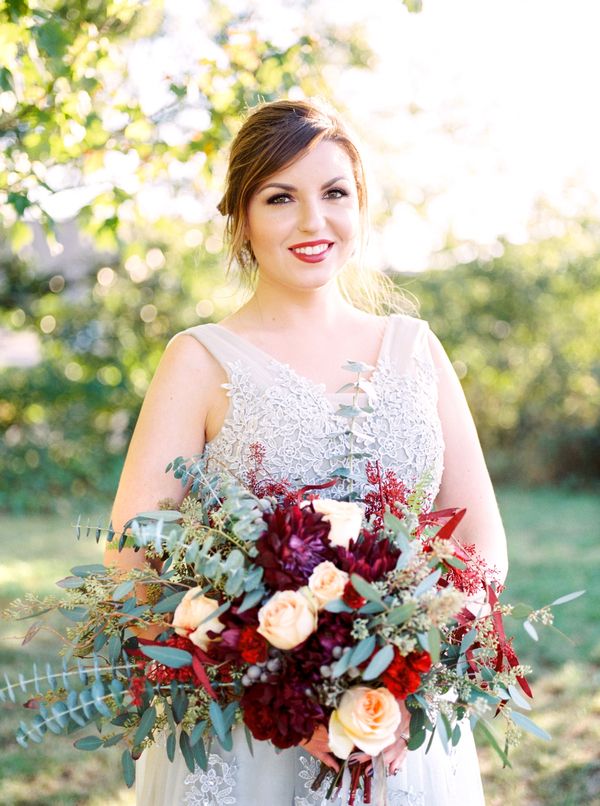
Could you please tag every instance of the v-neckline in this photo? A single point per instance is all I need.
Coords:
(320, 385)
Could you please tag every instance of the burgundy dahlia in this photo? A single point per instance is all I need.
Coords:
(294, 543)
(304, 663)
(280, 711)
(372, 556)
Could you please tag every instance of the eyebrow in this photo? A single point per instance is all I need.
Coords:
(291, 187)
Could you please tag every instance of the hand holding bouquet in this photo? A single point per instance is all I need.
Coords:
(294, 616)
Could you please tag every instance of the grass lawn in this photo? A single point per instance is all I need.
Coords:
(554, 549)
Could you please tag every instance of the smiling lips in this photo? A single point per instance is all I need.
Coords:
(311, 251)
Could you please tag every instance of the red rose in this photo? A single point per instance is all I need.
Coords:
(400, 678)
(351, 597)
(252, 646)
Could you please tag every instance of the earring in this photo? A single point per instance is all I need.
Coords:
(246, 254)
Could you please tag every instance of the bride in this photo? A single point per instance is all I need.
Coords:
(269, 374)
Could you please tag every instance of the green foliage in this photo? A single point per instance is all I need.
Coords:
(66, 114)
(522, 331)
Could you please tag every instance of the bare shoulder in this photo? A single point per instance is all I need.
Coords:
(171, 423)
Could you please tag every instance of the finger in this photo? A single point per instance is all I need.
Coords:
(330, 760)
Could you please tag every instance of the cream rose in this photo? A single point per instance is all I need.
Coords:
(190, 612)
(344, 517)
(288, 618)
(366, 718)
(327, 583)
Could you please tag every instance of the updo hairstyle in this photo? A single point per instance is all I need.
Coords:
(274, 135)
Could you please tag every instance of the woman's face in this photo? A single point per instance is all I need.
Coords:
(303, 221)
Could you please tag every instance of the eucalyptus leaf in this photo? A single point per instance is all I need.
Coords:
(145, 725)
(169, 603)
(113, 740)
(70, 582)
(530, 630)
(217, 718)
(186, 751)
(348, 411)
(371, 608)
(123, 589)
(363, 650)
(357, 366)
(365, 589)
(490, 738)
(197, 732)
(342, 665)
(434, 640)
(337, 606)
(524, 722)
(401, 613)
(427, 583)
(128, 765)
(169, 656)
(251, 599)
(88, 743)
(379, 663)
(518, 698)
(200, 757)
(114, 647)
(165, 515)
(88, 570)
(567, 598)
(468, 640)
(171, 746)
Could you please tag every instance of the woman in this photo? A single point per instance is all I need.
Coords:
(296, 211)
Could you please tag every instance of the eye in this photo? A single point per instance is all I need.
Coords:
(278, 199)
(339, 191)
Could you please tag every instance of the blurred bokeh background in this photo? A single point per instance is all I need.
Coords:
(479, 127)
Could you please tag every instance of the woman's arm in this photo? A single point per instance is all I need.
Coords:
(466, 481)
(171, 423)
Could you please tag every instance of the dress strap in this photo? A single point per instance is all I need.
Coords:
(407, 341)
(228, 348)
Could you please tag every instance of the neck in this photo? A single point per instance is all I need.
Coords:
(275, 307)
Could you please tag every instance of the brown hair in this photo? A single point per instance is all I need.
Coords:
(273, 136)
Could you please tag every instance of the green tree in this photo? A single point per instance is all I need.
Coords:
(522, 332)
(67, 420)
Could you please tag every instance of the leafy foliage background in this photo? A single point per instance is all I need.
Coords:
(521, 328)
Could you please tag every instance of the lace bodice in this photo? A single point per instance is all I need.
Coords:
(295, 419)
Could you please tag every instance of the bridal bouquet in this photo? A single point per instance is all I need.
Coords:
(283, 611)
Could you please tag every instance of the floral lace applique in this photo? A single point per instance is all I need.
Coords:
(303, 437)
(213, 786)
(309, 769)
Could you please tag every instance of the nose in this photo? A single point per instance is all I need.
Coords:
(311, 218)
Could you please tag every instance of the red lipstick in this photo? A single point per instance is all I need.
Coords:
(316, 258)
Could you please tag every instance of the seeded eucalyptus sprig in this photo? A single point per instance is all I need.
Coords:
(354, 414)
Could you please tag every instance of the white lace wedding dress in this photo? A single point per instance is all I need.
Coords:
(294, 419)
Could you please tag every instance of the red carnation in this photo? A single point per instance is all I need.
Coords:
(280, 711)
(351, 597)
(402, 675)
(252, 647)
(420, 661)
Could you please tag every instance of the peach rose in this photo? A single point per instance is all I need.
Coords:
(327, 583)
(344, 517)
(190, 612)
(366, 718)
(288, 618)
